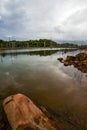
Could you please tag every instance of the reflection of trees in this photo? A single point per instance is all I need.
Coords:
(15, 54)
(11, 57)
(41, 52)
(1, 58)
(64, 52)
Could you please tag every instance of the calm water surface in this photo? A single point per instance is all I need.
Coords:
(39, 75)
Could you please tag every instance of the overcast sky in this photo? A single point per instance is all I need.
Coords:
(52, 19)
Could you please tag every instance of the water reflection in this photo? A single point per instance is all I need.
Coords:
(14, 54)
(77, 76)
(41, 77)
(40, 52)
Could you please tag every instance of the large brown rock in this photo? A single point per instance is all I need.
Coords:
(23, 114)
(79, 61)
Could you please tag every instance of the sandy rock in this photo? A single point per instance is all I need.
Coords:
(23, 114)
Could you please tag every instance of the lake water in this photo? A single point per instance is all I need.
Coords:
(39, 75)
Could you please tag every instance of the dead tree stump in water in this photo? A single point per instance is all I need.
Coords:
(23, 114)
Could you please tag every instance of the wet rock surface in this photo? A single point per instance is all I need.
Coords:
(79, 61)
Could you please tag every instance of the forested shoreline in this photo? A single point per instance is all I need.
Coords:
(13, 44)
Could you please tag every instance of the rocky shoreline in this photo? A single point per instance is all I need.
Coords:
(79, 61)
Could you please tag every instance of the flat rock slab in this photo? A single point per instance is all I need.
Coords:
(23, 114)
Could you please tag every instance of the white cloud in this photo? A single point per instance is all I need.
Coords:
(0, 18)
(32, 19)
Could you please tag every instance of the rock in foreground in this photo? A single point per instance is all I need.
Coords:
(23, 114)
(79, 61)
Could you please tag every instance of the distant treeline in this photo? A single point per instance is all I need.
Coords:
(34, 43)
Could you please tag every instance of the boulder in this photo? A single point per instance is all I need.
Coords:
(23, 114)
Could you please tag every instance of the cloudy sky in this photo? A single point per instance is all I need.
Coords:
(52, 19)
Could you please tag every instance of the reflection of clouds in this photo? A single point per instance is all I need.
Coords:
(41, 72)
(69, 77)
(63, 80)
(77, 76)
(8, 81)
(7, 73)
